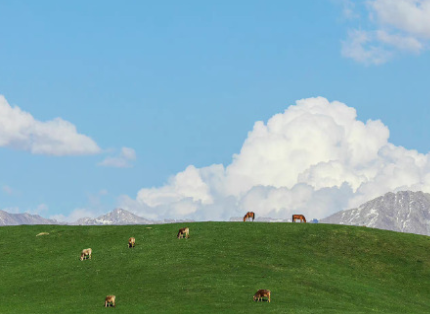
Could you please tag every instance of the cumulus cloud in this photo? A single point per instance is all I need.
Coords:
(315, 158)
(123, 160)
(19, 130)
(399, 26)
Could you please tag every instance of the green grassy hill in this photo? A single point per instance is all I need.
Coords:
(310, 268)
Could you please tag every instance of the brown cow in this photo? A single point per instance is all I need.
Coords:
(260, 294)
(249, 215)
(131, 242)
(184, 231)
(110, 301)
(299, 217)
(85, 253)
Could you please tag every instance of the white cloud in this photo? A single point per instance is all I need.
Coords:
(401, 42)
(41, 208)
(348, 9)
(124, 159)
(399, 26)
(411, 16)
(19, 130)
(315, 158)
(76, 214)
(362, 47)
(11, 210)
(7, 189)
(93, 209)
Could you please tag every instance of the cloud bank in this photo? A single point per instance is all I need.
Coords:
(316, 158)
(399, 26)
(19, 130)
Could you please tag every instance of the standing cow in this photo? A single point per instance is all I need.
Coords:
(86, 253)
(110, 301)
(301, 218)
(260, 294)
(184, 232)
(131, 242)
(249, 215)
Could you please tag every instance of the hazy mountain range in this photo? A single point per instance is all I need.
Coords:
(7, 219)
(404, 211)
(116, 217)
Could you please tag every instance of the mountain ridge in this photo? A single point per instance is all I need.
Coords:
(403, 211)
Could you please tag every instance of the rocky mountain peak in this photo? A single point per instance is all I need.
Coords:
(403, 211)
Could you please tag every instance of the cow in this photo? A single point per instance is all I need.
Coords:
(299, 217)
(260, 294)
(249, 215)
(131, 242)
(184, 231)
(110, 301)
(85, 253)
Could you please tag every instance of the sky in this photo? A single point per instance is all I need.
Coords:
(207, 110)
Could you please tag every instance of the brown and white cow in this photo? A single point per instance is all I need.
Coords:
(131, 242)
(301, 218)
(260, 294)
(85, 253)
(110, 301)
(249, 215)
(184, 232)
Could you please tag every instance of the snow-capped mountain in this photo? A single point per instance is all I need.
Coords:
(8, 219)
(116, 217)
(121, 216)
(404, 211)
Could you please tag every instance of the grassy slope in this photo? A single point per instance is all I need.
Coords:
(310, 268)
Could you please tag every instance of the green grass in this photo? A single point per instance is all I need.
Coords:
(310, 268)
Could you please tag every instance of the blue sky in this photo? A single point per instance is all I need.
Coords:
(145, 91)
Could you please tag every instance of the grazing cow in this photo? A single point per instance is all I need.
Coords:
(260, 294)
(182, 232)
(131, 242)
(110, 301)
(299, 217)
(249, 215)
(85, 253)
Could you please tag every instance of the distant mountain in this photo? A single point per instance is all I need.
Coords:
(121, 216)
(269, 219)
(116, 217)
(262, 219)
(8, 219)
(404, 211)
